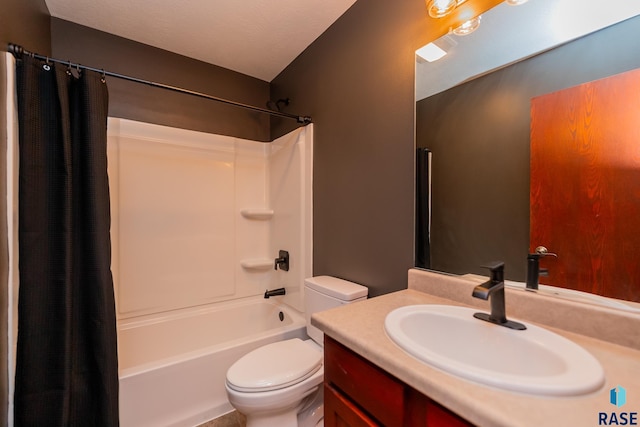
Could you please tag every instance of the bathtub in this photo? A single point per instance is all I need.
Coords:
(172, 368)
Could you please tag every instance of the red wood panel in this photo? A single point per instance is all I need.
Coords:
(340, 412)
(424, 412)
(585, 185)
(358, 393)
(437, 416)
(367, 385)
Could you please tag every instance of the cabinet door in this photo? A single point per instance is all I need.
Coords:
(358, 393)
(371, 388)
(424, 412)
(437, 416)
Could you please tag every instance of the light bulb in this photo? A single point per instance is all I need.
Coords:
(468, 27)
(440, 8)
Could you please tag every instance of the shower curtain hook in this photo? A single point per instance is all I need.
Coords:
(69, 68)
(46, 66)
(104, 77)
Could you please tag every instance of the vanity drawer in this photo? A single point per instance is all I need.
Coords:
(366, 385)
(340, 411)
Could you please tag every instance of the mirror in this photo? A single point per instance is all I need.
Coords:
(473, 112)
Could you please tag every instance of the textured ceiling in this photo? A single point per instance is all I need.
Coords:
(254, 37)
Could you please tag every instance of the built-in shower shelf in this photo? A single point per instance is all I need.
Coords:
(259, 264)
(261, 214)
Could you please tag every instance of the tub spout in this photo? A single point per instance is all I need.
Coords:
(274, 292)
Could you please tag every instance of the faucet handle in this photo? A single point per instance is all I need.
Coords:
(497, 270)
(282, 261)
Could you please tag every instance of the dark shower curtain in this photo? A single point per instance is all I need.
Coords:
(423, 211)
(66, 368)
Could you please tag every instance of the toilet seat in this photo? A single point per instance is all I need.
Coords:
(274, 366)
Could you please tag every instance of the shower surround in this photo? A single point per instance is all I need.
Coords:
(197, 222)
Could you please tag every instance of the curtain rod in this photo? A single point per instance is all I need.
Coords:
(18, 51)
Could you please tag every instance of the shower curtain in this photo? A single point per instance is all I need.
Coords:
(66, 367)
(423, 208)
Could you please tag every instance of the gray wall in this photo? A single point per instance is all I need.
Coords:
(24, 22)
(356, 81)
(481, 162)
(154, 105)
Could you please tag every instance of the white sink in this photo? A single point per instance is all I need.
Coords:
(533, 361)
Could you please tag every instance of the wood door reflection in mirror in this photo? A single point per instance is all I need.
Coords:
(585, 185)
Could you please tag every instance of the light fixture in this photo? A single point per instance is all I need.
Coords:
(468, 27)
(441, 8)
(515, 2)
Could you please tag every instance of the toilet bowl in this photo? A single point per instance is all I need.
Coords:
(262, 386)
(280, 384)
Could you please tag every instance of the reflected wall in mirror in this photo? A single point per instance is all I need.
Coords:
(479, 136)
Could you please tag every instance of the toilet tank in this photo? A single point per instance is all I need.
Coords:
(325, 292)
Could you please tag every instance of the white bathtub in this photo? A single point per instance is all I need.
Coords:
(172, 369)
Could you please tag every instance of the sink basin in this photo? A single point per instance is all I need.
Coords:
(534, 361)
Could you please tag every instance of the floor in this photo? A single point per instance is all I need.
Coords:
(232, 419)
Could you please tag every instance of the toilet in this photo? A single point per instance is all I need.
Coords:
(280, 384)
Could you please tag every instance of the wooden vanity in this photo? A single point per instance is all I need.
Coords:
(358, 393)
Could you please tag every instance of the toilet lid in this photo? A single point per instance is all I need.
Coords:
(274, 366)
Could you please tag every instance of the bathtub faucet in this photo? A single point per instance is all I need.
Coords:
(274, 292)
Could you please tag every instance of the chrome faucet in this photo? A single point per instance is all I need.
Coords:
(493, 290)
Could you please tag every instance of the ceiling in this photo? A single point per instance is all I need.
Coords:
(510, 33)
(258, 38)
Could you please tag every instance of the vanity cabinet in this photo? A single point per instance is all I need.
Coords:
(358, 393)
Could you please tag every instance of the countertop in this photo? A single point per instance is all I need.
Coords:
(360, 327)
